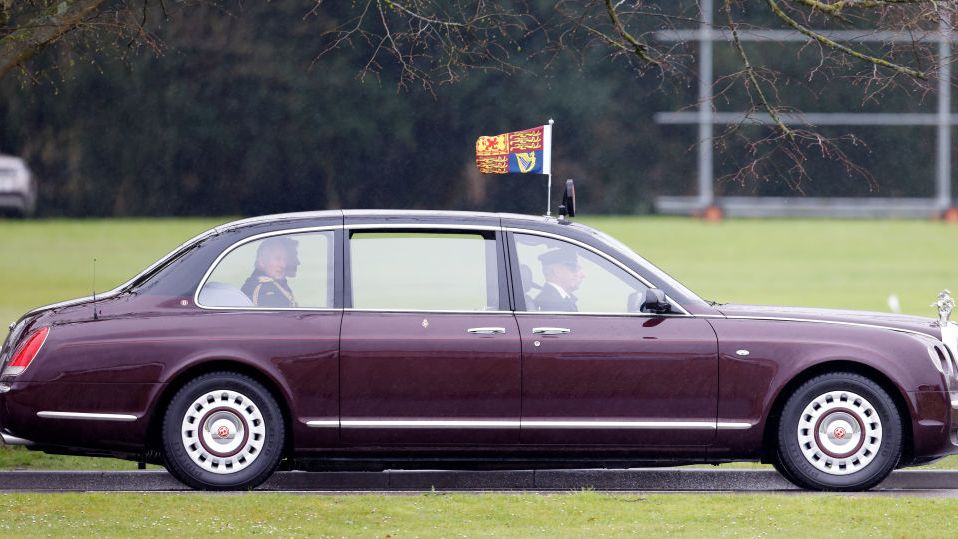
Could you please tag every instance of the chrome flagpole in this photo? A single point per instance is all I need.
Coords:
(547, 162)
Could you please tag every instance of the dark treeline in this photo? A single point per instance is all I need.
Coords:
(237, 116)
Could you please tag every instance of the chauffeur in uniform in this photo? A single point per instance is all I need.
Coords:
(276, 259)
(563, 276)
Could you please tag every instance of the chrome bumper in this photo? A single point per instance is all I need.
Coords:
(13, 440)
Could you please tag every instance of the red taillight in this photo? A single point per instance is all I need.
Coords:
(25, 353)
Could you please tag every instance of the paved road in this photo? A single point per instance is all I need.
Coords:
(923, 482)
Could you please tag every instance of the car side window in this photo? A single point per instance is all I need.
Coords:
(276, 272)
(557, 276)
(424, 271)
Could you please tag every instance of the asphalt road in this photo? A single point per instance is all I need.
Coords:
(939, 483)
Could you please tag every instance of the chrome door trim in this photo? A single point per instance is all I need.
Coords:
(244, 241)
(322, 423)
(86, 416)
(531, 424)
(430, 424)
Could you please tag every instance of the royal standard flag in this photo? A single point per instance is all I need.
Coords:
(520, 152)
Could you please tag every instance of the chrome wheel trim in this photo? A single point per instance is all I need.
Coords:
(839, 432)
(223, 431)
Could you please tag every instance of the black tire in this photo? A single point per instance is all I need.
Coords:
(826, 401)
(777, 464)
(227, 402)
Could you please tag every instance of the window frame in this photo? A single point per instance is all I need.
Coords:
(519, 301)
(502, 276)
(336, 251)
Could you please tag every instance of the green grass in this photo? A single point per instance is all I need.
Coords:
(582, 514)
(828, 263)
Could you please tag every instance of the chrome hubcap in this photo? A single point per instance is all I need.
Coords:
(839, 432)
(223, 431)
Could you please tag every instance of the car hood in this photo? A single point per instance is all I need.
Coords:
(928, 326)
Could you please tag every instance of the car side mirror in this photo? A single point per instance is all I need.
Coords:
(652, 301)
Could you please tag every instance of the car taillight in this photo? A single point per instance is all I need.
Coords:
(25, 353)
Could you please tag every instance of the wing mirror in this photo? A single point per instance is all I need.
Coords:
(652, 301)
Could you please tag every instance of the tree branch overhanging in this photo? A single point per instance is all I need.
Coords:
(20, 45)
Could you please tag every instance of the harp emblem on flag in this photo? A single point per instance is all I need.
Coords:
(527, 161)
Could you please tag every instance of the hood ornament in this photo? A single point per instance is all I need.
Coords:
(945, 304)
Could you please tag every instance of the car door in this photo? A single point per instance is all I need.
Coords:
(276, 304)
(429, 351)
(593, 370)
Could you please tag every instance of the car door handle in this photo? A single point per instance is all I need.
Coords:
(486, 331)
(551, 331)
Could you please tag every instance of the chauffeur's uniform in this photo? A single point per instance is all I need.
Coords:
(550, 299)
(266, 291)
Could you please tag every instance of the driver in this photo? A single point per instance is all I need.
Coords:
(563, 275)
(276, 259)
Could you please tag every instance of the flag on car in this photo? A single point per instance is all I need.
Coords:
(519, 152)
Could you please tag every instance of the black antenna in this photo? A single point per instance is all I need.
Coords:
(94, 288)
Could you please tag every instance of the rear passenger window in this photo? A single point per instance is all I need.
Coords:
(277, 272)
(424, 271)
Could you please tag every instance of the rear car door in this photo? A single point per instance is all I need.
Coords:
(594, 370)
(276, 303)
(429, 350)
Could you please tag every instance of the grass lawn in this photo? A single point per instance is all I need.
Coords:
(828, 263)
(580, 514)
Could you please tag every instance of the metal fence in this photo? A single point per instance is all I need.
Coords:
(755, 206)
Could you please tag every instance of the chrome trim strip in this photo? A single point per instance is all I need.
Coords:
(695, 425)
(725, 425)
(429, 424)
(412, 226)
(599, 313)
(244, 241)
(86, 416)
(597, 252)
(13, 440)
(533, 424)
(404, 311)
(322, 423)
(421, 226)
(834, 322)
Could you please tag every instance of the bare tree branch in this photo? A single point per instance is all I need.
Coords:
(21, 45)
(777, 10)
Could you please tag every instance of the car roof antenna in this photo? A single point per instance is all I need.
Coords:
(567, 208)
(94, 288)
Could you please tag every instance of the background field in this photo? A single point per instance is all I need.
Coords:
(844, 264)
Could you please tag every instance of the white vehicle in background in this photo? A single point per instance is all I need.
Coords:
(18, 190)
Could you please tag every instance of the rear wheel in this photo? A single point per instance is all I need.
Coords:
(839, 431)
(223, 431)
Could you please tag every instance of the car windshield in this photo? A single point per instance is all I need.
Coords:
(625, 250)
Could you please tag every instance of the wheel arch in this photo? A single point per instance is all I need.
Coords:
(770, 436)
(154, 430)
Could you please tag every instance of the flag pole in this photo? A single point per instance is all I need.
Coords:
(547, 147)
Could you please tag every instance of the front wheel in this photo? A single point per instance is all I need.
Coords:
(223, 431)
(839, 431)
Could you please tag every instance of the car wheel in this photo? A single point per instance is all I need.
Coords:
(223, 431)
(839, 431)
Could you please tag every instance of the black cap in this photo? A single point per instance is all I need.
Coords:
(558, 256)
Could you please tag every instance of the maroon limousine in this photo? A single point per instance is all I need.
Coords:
(396, 339)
